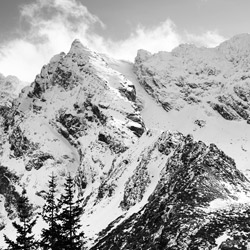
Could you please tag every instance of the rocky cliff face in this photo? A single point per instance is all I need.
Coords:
(9, 89)
(143, 188)
(77, 116)
(78, 100)
(179, 213)
(208, 88)
(192, 76)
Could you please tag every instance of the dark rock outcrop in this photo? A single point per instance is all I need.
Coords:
(20, 145)
(177, 215)
(113, 144)
(8, 180)
(224, 111)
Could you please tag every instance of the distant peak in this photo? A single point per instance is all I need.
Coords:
(142, 55)
(78, 46)
(242, 36)
(186, 48)
(242, 40)
(77, 43)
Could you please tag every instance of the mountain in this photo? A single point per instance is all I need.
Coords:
(9, 89)
(209, 87)
(77, 116)
(181, 212)
(217, 76)
(124, 132)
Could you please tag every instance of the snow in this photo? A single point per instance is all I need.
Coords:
(102, 84)
(99, 215)
(230, 136)
(221, 239)
(94, 158)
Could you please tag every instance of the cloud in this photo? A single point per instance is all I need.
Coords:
(154, 39)
(52, 25)
(207, 39)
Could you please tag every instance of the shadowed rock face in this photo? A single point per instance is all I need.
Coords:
(177, 215)
(189, 75)
(8, 180)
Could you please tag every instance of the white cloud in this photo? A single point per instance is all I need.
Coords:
(161, 37)
(54, 24)
(207, 39)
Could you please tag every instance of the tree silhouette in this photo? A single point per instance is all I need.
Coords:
(25, 239)
(51, 235)
(71, 211)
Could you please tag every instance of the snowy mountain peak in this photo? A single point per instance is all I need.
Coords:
(240, 41)
(9, 88)
(237, 50)
(205, 86)
(77, 45)
(77, 48)
(77, 114)
(142, 55)
(187, 73)
(152, 186)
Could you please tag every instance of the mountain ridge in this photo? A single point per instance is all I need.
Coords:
(130, 150)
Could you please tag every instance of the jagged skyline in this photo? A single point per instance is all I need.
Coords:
(36, 30)
(158, 149)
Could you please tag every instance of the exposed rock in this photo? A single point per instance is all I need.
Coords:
(195, 75)
(129, 92)
(135, 118)
(8, 180)
(177, 214)
(142, 55)
(19, 143)
(224, 111)
(234, 244)
(168, 142)
(136, 185)
(137, 130)
(167, 106)
(9, 89)
(200, 123)
(38, 160)
(105, 190)
(238, 106)
(75, 118)
(37, 91)
(243, 91)
(157, 190)
(74, 124)
(114, 145)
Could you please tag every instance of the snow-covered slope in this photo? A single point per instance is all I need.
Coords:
(180, 213)
(78, 113)
(136, 165)
(204, 92)
(77, 116)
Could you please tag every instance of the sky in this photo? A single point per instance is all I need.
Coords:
(32, 31)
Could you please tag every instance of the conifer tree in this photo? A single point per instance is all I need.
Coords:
(25, 239)
(71, 211)
(51, 235)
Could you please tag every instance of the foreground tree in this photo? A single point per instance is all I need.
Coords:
(25, 239)
(71, 211)
(50, 238)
